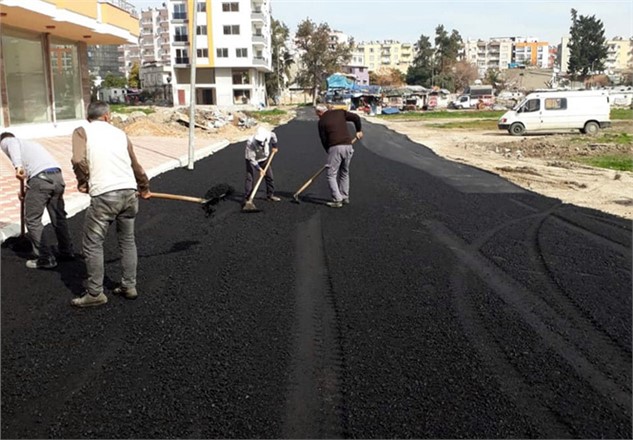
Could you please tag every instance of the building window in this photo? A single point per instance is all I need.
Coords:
(231, 7)
(180, 11)
(201, 7)
(180, 34)
(222, 53)
(25, 77)
(241, 77)
(201, 30)
(232, 29)
(182, 57)
(241, 53)
(241, 96)
(203, 53)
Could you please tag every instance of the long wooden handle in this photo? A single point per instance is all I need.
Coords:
(310, 180)
(314, 176)
(156, 195)
(22, 216)
(261, 177)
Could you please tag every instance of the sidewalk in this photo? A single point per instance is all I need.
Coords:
(156, 154)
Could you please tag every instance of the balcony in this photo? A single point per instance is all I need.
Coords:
(259, 39)
(260, 61)
(258, 15)
(182, 61)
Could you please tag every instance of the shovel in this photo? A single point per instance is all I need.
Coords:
(249, 206)
(215, 194)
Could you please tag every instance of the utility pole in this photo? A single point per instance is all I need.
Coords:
(192, 93)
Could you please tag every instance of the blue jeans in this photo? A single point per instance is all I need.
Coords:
(115, 206)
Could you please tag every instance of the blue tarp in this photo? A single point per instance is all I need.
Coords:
(390, 111)
(337, 81)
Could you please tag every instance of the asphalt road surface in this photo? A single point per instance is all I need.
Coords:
(443, 302)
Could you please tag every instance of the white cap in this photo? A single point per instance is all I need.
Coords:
(261, 135)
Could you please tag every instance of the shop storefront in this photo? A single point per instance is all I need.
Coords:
(41, 78)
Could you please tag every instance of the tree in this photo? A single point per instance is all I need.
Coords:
(387, 77)
(587, 45)
(112, 81)
(494, 78)
(446, 49)
(319, 56)
(421, 70)
(464, 73)
(281, 60)
(135, 76)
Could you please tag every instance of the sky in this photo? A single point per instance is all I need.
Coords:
(406, 20)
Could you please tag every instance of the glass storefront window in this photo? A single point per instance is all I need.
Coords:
(25, 77)
(66, 80)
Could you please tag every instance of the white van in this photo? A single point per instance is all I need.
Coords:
(584, 110)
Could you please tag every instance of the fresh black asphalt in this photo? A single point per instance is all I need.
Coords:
(443, 302)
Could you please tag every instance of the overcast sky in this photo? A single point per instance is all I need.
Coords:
(406, 20)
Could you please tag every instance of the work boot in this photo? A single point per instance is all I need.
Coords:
(127, 292)
(42, 263)
(335, 204)
(273, 199)
(89, 300)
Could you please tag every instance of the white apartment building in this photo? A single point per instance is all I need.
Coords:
(154, 39)
(500, 53)
(233, 51)
(153, 46)
(495, 53)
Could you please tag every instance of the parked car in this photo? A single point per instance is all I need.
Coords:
(587, 111)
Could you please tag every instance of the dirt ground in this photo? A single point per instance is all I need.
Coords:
(540, 163)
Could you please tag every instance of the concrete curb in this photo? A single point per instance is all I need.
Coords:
(76, 203)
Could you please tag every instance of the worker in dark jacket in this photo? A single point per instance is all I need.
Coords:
(336, 141)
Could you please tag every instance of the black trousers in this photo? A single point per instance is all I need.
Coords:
(252, 174)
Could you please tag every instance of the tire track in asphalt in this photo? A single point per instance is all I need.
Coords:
(314, 402)
(592, 335)
(531, 309)
(510, 381)
(599, 239)
(617, 359)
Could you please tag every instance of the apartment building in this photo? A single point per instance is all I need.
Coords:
(233, 51)
(495, 53)
(619, 55)
(531, 52)
(44, 76)
(103, 59)
(385, 54)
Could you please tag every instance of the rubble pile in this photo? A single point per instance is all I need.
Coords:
(175, 122)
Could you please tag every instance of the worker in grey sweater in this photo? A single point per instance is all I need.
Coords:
(257, 153)
(45, 190)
